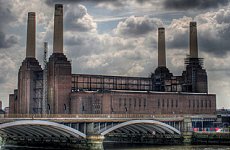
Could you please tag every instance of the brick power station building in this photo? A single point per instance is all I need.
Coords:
(55, 90)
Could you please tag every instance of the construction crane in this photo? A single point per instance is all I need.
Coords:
(45, 97)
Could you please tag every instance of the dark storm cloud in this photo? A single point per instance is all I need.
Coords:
(214, 32)
(7, 42)
(224, 33)
(179, 41)
(6, 16)
(194, 4)
(114, 2)
(3, 79)
(52, 2)
(218, 45)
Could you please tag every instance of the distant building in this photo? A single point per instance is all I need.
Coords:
(160, 93)
(2, 112)
(0, 105)
(6, 110)
(223, 118)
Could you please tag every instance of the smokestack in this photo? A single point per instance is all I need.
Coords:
(161, 47)
(31, 32)
(58, 29)
(193, 40)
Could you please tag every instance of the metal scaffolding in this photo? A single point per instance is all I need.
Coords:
(45, 97)
(37, 99)
(193, 65)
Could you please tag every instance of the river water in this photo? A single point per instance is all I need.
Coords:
(187, 147)
(120, 147)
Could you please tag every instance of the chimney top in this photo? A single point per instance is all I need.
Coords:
(58, 6)
(193, 24)
(31, 14)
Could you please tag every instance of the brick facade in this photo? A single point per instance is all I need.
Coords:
(59, 84)
(142, 103)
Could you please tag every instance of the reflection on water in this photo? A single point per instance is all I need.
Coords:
(187, 147)
(184, 147)
(12, 147)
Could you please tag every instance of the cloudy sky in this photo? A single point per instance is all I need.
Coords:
(119, 37)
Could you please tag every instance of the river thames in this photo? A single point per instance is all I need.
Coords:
(120, 147)
(187, 147)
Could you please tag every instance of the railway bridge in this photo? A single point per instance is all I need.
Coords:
(92, 130)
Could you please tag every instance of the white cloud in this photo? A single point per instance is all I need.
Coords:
(21, 8)
(139, 5)
(77, 19)
(136, 26)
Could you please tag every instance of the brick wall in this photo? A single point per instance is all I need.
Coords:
(142, 103)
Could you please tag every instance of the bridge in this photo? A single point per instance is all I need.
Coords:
(92, 130)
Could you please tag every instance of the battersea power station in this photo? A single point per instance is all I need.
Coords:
(56, 90)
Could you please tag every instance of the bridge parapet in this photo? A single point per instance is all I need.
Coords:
(77, 118)
(92, 116)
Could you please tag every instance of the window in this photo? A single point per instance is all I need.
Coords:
(120, 102)
(124, 101)
(139, 102)
(145, 102)
(189, 103)
(201, 103)
(135, 102)
(210, 105)
(193, 103)
(167, 103)
(198, 103)
(172, 103)
(206, 105)
(163, 103)
(159, 103)
(176, 103)
(130, 102)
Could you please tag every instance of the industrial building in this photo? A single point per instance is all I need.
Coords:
(55, 90)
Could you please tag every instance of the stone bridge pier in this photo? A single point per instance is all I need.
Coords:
(187, 130)
(93, 139)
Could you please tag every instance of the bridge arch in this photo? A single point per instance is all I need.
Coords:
(142, 125)
(39, 128)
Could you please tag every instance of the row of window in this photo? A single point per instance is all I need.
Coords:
(167, 103)
(121, 80)
(135, 101)
(200, 103)
(164, 103)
